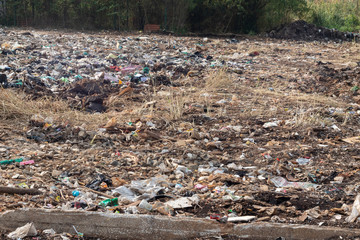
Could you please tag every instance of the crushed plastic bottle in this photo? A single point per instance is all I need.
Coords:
(109, 203)
(126, 193)
(145, 205)
(303, 161)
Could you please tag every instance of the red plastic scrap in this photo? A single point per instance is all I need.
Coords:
(215, 216)
(115, 68)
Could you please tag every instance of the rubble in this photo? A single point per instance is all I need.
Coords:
(262, 130)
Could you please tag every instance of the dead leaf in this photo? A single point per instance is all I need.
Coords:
(273, 143)
(117, 182)
(352, 140)
(126, 90)
(111, 123)
(338, 210)
(303, 217)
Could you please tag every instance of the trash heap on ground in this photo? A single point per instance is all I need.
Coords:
(234, 130)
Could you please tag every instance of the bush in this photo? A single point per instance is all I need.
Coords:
(278, 12)
(334, 14)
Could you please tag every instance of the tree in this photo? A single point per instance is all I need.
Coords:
(216, 16)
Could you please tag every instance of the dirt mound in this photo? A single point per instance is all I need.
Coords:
(301, 30)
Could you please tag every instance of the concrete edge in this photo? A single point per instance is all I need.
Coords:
(120, 226)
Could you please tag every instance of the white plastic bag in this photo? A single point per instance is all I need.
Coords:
(355, 212)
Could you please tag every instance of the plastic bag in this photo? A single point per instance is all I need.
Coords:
(355, 212)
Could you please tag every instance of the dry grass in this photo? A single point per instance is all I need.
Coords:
(218, 79)
(310, 117)
(176, 105)
(294, 98)
(15, 106)
(305, 107)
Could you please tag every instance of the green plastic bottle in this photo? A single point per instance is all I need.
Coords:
(6, 162)
(109, 203)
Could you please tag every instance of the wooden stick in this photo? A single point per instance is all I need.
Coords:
(99, 193)
(21, 191)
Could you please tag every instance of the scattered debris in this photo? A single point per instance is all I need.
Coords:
(227, 129)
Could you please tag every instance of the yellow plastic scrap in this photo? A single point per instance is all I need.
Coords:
(5, 46)
(111, 56)
(47, 125)
(92, 141)
(23, 185)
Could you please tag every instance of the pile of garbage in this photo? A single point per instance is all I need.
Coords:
(229, 130)
(301, 30)
(88, 73)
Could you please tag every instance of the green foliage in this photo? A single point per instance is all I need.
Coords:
(279, 12)
(216, 15)
(341, 15)
(246, 16)
(228, 4)
(180, 16)
(355, 89)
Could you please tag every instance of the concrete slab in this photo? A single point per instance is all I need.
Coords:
(119, 226)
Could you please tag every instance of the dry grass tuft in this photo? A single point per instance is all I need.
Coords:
(17, 107)
(310, 117)
(218, 79)
(176, 105)
(298, 97)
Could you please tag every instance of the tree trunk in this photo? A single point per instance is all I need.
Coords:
(33, 11)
